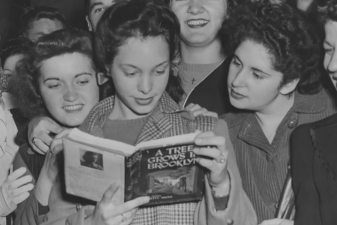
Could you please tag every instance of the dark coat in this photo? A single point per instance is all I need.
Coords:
(212, 92)
(314, 171)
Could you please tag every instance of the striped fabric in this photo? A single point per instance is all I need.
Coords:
(263, 166)
(165, 121)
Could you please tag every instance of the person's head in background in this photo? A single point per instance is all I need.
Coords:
(329, 19)
(274, 56)
(13, 51)
(58, 78)
(38, 21)
(136, 41)
(95, 9)
(200, 22)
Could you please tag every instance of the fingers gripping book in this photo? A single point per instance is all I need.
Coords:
(164, 169)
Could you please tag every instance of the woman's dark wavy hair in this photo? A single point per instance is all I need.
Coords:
(328, 11)
(282, 30)
(138, 18)
(24, 83)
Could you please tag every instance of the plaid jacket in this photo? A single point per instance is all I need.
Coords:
(166, 120)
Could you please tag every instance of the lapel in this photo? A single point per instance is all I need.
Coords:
(324, 137)
(250, 132)
(160, 122)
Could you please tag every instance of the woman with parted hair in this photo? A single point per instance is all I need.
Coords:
(136, 41)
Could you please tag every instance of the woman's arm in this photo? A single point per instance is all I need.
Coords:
(239, 209)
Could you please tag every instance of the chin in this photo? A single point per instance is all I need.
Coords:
(73, 122)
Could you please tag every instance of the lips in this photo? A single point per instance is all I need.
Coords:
(197, 23)
(236, 95)
(144, 101)
(73, 107)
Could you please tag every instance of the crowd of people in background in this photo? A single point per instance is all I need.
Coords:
(257, 79)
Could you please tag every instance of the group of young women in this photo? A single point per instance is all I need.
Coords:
(273, 81)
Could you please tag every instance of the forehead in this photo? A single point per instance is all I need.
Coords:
(254, 54)
(93, 3)
(143, 52)
(45, 25)
(331, 31)
(66, 65)
(11, 61)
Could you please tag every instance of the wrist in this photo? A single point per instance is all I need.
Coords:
(221, 189)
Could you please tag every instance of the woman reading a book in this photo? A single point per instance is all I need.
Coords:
(137, 42)
(275, 83)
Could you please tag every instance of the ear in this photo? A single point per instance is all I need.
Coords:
(101, 78)
(289, 87)
(88, 23)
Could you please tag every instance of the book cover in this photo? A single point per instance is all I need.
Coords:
(164, 169)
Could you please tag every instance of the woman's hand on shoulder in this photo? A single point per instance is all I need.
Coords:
(213, 154)
(197, 110)
(18, 186)
(277, 222)
(107, 213)
(39, 130)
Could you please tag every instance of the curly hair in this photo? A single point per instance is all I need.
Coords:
(283, 31)
(24, 82)
(138, 18)
(328, 11)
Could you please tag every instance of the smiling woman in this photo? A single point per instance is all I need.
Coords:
(56, 78)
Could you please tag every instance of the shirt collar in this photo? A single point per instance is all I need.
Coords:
(306, 104)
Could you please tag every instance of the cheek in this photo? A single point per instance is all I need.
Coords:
(326, 61)
(52, 101)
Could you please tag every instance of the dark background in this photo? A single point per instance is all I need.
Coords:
(10, 11)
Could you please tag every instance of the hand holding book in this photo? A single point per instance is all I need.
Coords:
(215, 160)
(106, 212)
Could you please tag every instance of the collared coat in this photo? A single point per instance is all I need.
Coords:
(314, 171)
(263, 166)
(166, 120)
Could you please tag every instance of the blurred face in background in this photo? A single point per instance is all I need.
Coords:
(200, 20)
(10, 63)
(96, 10)
(303, 4)
(42, 27)
(330, 44)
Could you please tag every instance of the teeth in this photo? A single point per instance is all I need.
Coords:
(196, 22)
(72, 107)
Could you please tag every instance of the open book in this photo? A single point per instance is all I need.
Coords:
(164, 169)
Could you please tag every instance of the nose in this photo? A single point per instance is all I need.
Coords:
(70, 94)
(145, 84)
(195, 7)
(332, 66)
(238, 78)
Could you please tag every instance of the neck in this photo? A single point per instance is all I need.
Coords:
(271, 117)
(121, 112)
(202, 54)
